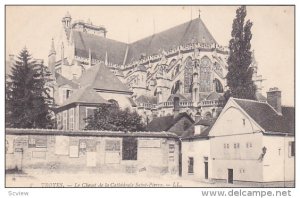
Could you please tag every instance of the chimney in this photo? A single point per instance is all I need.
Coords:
(176, 106)
(274, 99)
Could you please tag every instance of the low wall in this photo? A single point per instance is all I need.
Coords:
(92, 151)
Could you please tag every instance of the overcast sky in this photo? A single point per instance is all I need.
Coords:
(273, 31)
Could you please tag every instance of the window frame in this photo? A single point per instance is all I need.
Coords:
(191, 164)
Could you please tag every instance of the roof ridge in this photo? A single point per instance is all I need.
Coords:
(249, 100)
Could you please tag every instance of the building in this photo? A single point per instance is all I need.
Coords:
(247, 144)
(184, 61)
(177, 123)
(103, 152)
(196, 151)
(98, 85)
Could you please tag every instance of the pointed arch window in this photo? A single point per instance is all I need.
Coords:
(218, 86)
(205, 74)
(188, 72)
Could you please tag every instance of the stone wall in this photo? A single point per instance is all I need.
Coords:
(71, 153)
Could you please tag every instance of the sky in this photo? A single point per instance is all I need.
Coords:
(272, 41)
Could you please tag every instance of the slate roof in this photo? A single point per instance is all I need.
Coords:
(146, 99)
(164, 123)
(60, 80)
(264, 115)
(190, 32)
(101, 78)
(98, 45)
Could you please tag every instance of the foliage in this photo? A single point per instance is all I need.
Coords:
(27, 96)
(111, 117)
(239, 76)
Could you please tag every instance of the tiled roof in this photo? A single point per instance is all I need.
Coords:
(264, 115)
(146, 99)
(190, 32)
(85, 95)
(99, 46)
(60, 80)
(166, 122)
(101, 78)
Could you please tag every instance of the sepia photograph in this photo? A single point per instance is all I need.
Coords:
(160, 96)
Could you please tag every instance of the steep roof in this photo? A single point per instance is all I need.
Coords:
(99, 46)
(190, 32)
(60, 80)
(85, 95)
(164, 123)
(101, 78)
(264, 115)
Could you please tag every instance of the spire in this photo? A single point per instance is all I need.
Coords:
(199, 11)
(52, 48)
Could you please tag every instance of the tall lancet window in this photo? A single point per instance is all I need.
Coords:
(188, 73)
(205, 75)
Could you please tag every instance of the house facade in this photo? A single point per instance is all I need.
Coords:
(248, 143)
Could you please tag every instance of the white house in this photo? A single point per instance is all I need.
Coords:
(196, 160)
(254, 142)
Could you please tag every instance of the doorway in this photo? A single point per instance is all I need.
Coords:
(230, 176)
(206, 170)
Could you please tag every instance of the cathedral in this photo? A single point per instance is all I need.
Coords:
(181, 69)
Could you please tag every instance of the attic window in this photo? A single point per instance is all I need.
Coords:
(244, 121)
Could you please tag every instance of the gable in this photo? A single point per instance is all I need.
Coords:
(233, 120)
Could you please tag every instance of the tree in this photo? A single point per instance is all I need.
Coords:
(27, 98)
(112, 118)
(239, 76)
